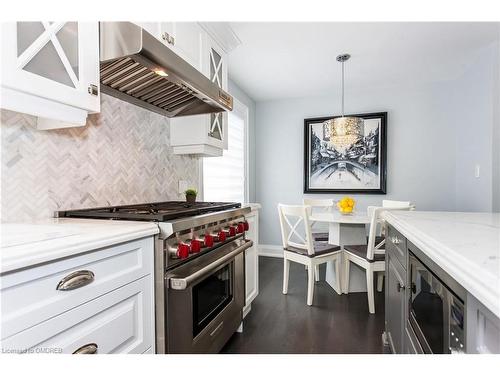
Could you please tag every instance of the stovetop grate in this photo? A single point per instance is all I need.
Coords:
(160, 211)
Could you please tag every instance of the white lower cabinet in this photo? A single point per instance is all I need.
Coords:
(252, 262)
(118, 322)
(100, 301)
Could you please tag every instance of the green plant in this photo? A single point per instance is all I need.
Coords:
(191, 192)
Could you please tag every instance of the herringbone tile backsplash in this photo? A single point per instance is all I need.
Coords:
(121, 156)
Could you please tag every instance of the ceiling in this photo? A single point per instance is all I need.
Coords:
(282, 60)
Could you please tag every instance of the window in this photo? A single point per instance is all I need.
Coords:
(224, 178)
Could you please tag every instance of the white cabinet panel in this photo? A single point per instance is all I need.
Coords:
(58, 61)
(117, 322)
(184, 38)
(187, 43)
(252, 261)
(30, 296)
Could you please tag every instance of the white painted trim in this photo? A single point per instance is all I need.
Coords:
(197, 150)
(37, 106)
(274, 251)
(223, 33)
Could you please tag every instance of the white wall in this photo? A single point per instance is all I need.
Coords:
(422, 151)
(239, 94)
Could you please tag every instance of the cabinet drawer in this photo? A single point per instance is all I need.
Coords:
(30, 296)
(395, 243)
(117, 322)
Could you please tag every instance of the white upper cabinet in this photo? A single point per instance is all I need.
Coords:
(51, 70)
(204, 135)
(187, 42)
(184, 38)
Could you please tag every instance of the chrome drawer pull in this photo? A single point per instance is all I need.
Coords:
(76, 280)
(87, 349)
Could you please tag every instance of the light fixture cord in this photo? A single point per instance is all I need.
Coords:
(342, 88)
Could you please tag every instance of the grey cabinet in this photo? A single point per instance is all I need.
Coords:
(394, 303)
(467, 324)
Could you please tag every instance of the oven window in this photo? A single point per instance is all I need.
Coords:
(210, 296)
(427, 308)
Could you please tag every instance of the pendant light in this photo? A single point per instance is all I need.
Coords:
(343, 131)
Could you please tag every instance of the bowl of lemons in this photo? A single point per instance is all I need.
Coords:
(346, 205)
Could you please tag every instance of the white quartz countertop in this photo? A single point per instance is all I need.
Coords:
(27, 244)
(464, 244)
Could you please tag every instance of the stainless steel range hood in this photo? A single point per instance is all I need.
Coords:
(138, 68)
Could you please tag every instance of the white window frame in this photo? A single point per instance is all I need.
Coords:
(243, 111)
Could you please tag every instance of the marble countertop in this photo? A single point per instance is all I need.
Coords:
(253, 206)
(464, 244)
(27, 244)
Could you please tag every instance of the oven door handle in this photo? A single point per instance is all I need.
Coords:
(184, 282)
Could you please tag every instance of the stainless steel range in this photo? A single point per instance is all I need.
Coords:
(199, 270)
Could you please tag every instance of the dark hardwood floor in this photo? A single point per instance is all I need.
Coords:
(280, 324)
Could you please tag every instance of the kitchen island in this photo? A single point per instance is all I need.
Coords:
(460, 249)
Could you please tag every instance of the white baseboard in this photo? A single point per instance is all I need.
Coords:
(274, 251)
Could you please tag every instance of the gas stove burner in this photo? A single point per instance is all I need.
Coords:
(160, 211)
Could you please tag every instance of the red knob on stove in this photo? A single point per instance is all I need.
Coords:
(183, 251)
(195, 246)
(232, 231)
(246, 225)
(241, 227)
(208, 240)
(222, 236)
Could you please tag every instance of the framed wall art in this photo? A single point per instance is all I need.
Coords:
(345, 156)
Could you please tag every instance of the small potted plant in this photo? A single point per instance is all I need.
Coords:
(191, 195)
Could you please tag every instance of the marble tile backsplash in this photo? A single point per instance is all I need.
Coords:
(121, 156)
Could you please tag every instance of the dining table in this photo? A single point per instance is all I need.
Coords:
(345, 230)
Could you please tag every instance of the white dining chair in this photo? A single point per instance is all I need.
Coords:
(299, 246)
(325, 205)
(371, 257)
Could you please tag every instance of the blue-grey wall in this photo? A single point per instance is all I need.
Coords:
(432, 146)
(496, 134)
(475, 114)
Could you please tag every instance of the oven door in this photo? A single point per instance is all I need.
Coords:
(205, 299)
(435, 313)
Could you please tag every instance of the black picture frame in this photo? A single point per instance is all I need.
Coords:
(382, 155)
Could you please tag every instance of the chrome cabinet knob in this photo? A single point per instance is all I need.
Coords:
(395, 240)
(168, 38)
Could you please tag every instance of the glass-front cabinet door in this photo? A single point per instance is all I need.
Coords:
(217, 73)
(58, 61)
